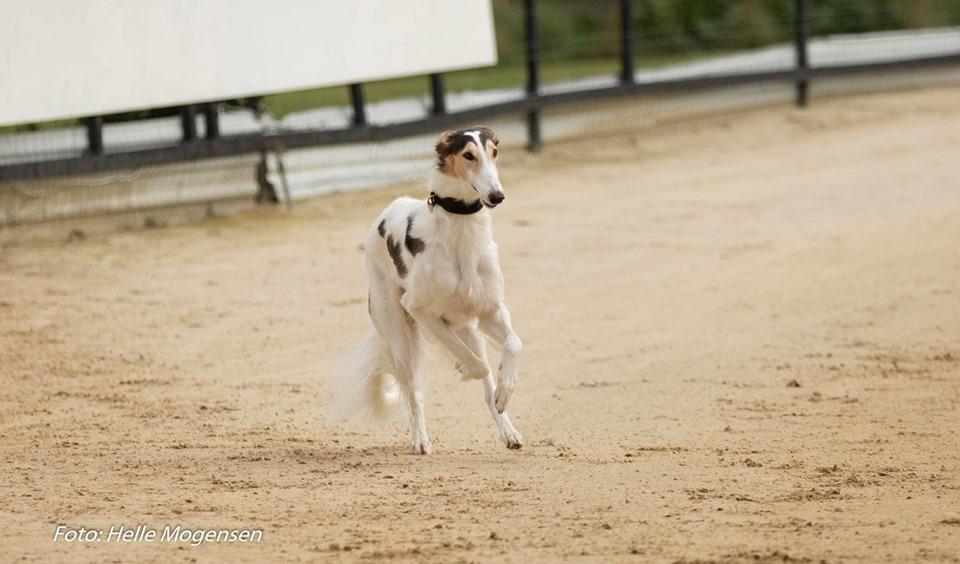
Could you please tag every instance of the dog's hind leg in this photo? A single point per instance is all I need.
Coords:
(399, 331)
(411, 384)
(474, 341)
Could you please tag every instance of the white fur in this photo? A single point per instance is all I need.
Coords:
(453, 289)
(364, 384)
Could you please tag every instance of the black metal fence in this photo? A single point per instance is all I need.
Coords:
(213, 144)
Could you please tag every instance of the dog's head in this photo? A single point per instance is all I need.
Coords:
(471, 155)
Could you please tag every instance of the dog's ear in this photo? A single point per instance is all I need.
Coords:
(443, 143)
(488, 133)
(444, 148)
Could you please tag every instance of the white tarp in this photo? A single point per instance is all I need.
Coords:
(64, 59)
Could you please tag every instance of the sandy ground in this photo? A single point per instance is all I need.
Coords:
(741, 344)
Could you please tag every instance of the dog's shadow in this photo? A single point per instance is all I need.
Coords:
(381, 455)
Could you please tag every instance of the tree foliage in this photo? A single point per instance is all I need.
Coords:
(590, 28)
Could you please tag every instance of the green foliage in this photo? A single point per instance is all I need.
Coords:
(579, 28)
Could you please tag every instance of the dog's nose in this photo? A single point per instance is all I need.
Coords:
(497, 197)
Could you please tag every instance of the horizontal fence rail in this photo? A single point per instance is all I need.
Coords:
(216, 145)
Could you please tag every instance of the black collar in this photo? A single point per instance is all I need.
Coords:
(454, 205)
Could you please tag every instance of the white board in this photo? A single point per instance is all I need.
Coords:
(64, 59)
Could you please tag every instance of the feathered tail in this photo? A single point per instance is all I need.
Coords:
(364, 384)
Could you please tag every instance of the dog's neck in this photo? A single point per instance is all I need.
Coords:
(447, 186)
(463, 234)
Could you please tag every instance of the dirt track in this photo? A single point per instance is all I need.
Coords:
(742, 342)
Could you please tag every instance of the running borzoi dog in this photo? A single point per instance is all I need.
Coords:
(433, 265)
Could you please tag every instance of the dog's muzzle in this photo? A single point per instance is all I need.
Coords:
(496, 198)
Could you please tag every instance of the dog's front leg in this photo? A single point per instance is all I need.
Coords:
(510, 436)
(497, 325)
(471, 366)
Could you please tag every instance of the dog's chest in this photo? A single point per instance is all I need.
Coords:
(460, 278)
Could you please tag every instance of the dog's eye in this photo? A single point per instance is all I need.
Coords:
(494, 153)
(468, 156)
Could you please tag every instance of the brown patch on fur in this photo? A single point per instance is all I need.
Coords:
(491, 149)
(460, 166)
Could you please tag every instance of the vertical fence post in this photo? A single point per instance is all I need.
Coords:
(359, 111)
(188, 123)
(800, 23)
(282, 171)
(437, 92)
(533, 80)
(211, 117)
(627, 43)
(94, 134)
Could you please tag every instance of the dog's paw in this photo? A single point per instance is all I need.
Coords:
(420, 446)
(512, 439)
